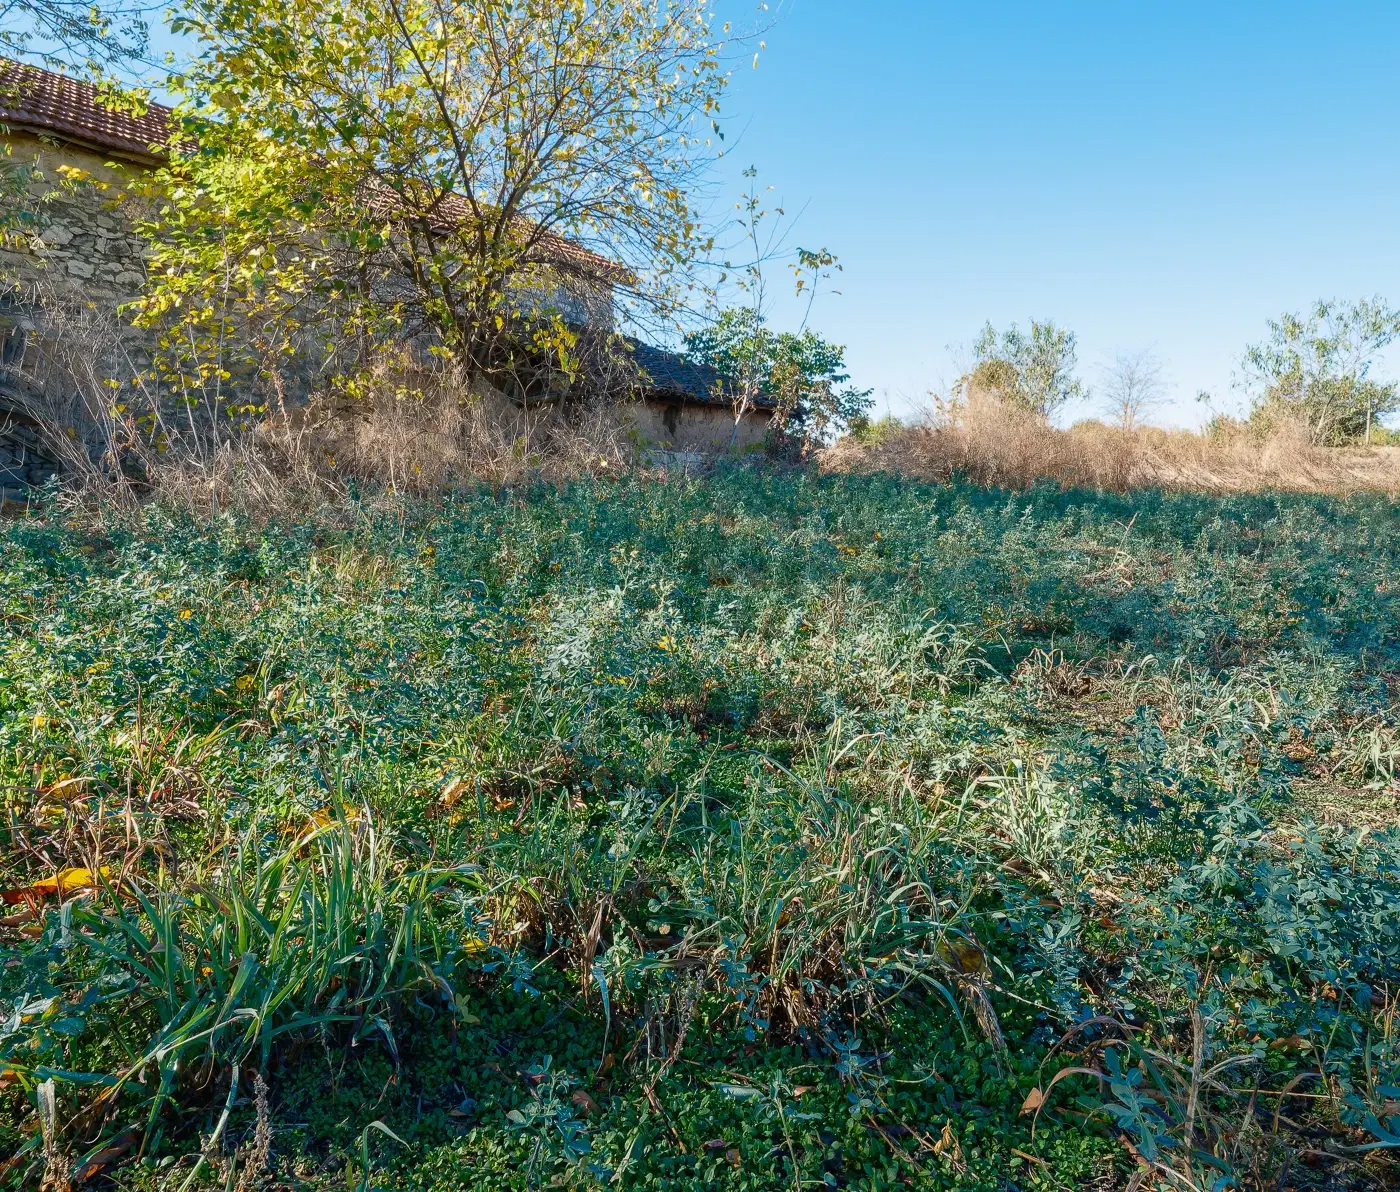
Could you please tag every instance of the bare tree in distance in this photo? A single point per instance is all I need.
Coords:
(1133, 386)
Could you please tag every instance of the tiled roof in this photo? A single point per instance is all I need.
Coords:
(452, 210)
(35, 100)
(41, 101)
(668, 374)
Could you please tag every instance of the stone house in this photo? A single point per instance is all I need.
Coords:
(80, 238)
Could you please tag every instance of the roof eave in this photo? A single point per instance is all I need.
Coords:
(50, 131)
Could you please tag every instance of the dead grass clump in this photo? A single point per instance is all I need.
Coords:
(417, 443)
(116, 429)
(991, 442)
(420, 431)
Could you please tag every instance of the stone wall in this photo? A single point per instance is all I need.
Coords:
(84, 236)
(84, 254)
(26, 459)
(62, 280)
(579, 300)
(671, 426)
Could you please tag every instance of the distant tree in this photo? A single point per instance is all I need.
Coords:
(1132, 387)
(364, 167)
(1034, 370)
(874, 431)
(797, 370)
(803, 374)
(1315, 369)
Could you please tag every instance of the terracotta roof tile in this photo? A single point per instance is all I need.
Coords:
(36, 100)
(40, 101)
(553, 249)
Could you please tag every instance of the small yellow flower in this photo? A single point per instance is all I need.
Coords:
(186, 614)
(243, 682)
(40, 720)
(666, 642)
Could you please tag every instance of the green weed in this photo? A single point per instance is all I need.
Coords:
(764, 831)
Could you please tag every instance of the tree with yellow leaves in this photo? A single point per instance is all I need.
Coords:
(455, 173)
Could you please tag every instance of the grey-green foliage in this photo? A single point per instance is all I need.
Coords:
(1315, 368)
(764, 731)
(1033, 368)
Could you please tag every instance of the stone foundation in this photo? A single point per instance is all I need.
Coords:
(673, 427)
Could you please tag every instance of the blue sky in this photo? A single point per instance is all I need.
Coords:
(1163, 175)
(1147, 174)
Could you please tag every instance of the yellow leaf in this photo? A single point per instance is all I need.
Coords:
(452, 792)
(65, 881)
(962, 955)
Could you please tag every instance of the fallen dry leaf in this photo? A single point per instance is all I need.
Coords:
(65, 881)
(452, 792)
(1034, 1100)
(948, 1146)
(107, 1156)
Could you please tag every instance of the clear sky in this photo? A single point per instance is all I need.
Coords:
(1163, 174)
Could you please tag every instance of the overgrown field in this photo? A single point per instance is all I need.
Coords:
(759, 831)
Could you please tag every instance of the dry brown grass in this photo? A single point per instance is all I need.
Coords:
(391, 440)
(408, 428)
(419, 445)
(415, 431)
(990, 442)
